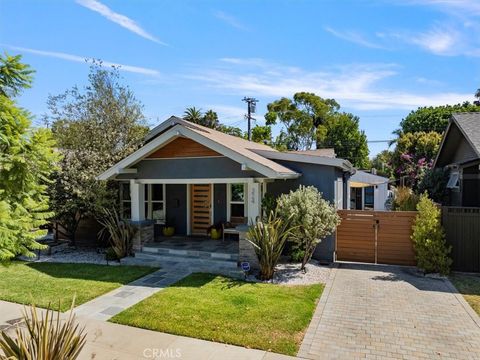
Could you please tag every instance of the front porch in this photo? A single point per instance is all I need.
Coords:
(195, 247)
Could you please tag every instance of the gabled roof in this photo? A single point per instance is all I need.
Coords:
(239, 150)
(363, 179)
(307, 157)
(316, 152)
(469, 125)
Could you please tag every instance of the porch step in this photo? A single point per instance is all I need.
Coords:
(193, 254)
(214, 266)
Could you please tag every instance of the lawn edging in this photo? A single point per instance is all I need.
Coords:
(317, 315)
(454, 291)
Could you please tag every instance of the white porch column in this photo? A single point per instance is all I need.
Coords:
(137, 195)
(254, 201)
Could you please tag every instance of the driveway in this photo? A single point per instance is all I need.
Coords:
(369, 311)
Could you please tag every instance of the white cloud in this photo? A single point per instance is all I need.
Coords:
(437, 41)
(353, 37)
(122, 20)
(234, 114)
(83, 59)
(230, 20)
(357, 86)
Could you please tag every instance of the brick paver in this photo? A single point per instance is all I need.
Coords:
(380, 312)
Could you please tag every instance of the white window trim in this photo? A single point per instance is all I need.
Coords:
(230, 202)
(149, 201)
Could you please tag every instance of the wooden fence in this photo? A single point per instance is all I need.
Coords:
(381, 237)
(462, 228)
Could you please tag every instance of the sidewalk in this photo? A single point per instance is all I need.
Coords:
(107, 341)
(107, 305)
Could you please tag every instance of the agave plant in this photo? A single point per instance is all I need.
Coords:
(119, 232)
(44, 337)
(268, 237)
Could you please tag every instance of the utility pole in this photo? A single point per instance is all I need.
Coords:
(252, 104)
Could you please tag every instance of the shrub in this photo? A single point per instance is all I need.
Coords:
(297, 255)
(268, 239)
(311, 216)
(432, 252)
(45, 337)
(120, 232)
(404, 199)
(111, 255)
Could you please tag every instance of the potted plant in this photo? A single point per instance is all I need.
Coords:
(215, 231)
(168, 228)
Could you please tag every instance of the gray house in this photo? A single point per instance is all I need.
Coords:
(459, 154)
(194, 176)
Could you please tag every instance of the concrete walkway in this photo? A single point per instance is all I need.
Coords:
(107, 341)
(106, 306)
(382, 312)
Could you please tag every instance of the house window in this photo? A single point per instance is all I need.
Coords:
(155, 201)
(125, 200)
(368, 201)
(454, 181)
(236, 201)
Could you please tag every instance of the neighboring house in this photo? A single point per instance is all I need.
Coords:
(459, 154)
(368, 191)
(194, 176)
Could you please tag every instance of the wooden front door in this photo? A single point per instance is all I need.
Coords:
(200, 208)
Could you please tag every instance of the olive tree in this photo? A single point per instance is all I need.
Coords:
(311, 217)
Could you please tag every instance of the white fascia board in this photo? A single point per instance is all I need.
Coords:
(311, 159)
(177, 131)
(200, 181)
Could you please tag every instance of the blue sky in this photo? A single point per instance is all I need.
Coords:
(378, 58)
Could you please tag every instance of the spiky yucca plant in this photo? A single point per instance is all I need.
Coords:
(44, 337)
(119, 232)
(268, 238)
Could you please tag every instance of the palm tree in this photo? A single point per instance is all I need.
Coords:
(210, 119)
(193, 114)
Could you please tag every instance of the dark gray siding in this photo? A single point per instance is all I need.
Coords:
(193, 168)
(176, 195)
(220, 203)
(455, 148)
(323, 178)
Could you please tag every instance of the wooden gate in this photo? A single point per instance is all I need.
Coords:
(379, 237)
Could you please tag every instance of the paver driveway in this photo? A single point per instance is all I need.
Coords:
(370, 311)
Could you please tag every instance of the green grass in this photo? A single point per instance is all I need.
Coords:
(210, 307)
(47, 283)
(469, 287)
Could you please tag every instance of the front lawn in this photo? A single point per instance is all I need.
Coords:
(469, 287)
(262, 316)
(47, 283)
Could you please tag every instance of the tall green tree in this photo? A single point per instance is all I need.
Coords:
(382, 162)
(342, 133)
(210, 119)
(301, 117)
(311, 120)
(432, 118)
(414, 154)
(95, 126)
(262, 134)
(27, 159)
